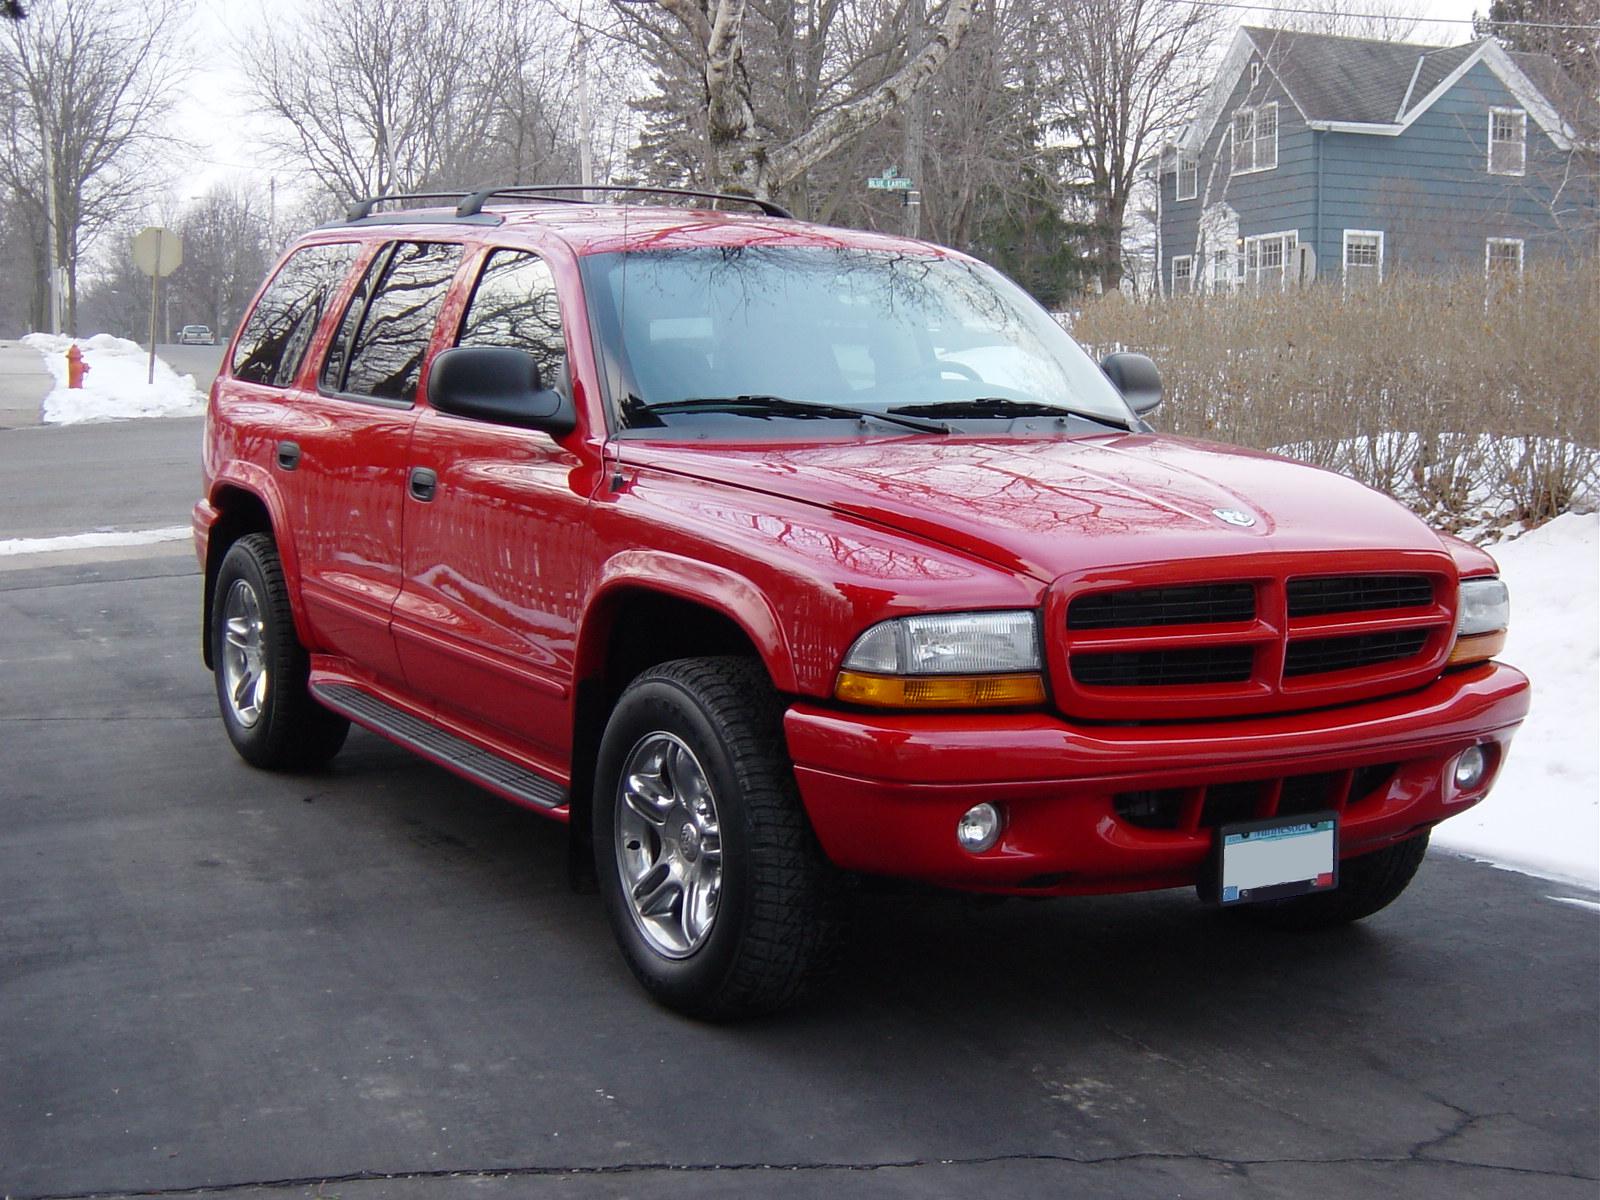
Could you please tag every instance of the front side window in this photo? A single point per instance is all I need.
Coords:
(1363, 257)
(514, 304)
(705, 330)
(1508, 141)
(1182, 275)
(1255, 138)
(1188, 178)
(392, 334)
(275, 337)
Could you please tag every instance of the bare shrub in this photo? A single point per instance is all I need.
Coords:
(1476, 409)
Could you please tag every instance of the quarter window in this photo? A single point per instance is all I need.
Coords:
(515, 305)
(1255, 138)
(1508, 141)
(393, 334)
(281, 324)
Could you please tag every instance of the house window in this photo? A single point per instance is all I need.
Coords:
(1255, 139)
(1363, 257)
(1255, 73)
(1188, 178)
(1502, 259)
(1183, 275)
(1266, 259)
(1508, 141)
(1222, 264)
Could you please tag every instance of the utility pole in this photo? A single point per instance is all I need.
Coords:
(52, 268)
(917, 20)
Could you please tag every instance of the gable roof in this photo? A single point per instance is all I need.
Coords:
(1365, 85)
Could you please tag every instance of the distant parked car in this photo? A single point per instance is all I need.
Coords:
(196, 335)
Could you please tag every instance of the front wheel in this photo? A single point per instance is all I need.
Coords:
(1366, 885)
(714, 885)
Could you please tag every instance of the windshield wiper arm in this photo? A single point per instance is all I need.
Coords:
(1002, 406)
(800, 408)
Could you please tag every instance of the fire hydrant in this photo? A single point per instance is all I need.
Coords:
(76, 367)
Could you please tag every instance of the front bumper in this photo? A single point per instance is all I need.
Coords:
(884, 791)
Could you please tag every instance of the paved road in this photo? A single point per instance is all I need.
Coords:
(211, 976)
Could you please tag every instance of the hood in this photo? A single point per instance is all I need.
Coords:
(1049, 507)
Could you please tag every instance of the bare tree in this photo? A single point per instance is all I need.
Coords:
(227, 248)
(822, 54)
(1122, 73)
(1383, 20)
(399, 95)
(87, 85)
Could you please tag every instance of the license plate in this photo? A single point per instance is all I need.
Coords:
(1276, 858)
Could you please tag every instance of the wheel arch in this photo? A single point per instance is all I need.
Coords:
(241, 511)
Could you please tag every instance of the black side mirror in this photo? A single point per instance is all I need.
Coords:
(496, 383)
(1136, 377)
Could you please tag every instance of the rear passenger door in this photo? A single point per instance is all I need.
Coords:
(347, 471)
(486, 624)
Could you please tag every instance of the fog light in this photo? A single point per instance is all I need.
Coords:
(979, 828)
(1470, 768)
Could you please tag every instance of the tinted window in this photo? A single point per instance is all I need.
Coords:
(339, 351)
(386, 357)
(280, 327)
(515, 305)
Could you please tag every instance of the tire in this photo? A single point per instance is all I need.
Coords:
(261, 668)
(735, 908)
(1367, 885)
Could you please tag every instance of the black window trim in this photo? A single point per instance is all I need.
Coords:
(488, 251)
(229, 365)
(384, 255)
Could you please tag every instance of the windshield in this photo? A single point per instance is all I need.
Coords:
(871, 330)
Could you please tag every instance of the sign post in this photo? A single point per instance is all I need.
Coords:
(158, 253)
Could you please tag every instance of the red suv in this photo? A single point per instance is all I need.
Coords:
(763, 553)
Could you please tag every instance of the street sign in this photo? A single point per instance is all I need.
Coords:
(890, 181)
(157, 252)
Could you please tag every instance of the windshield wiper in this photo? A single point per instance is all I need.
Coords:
(780, 406)
(1001, 406)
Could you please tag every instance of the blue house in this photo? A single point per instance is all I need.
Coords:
(1376, 156)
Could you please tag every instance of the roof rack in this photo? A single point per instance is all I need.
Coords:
(362, 209)
(473, 203)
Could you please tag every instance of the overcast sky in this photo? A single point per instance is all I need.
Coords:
(216, 114)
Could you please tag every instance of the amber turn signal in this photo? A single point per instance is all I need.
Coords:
(939, 691)
(1477, 648)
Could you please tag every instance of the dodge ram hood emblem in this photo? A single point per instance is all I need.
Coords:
(1234, 517)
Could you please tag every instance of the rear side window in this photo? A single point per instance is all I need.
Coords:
(392, 334)
(281, 324)
(515, 305)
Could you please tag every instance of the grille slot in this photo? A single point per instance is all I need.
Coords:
(1319, 656)
(1226, 803)
(1357, 593)
(1164, 668)
(1201, 604)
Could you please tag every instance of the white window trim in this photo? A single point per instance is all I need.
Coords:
(1522, 117)
(1182, 258)
(1344, 250)
(1242, 274)
(1232, 125)
(1177, 182)
(1488, 254)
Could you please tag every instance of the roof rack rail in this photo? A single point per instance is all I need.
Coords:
(472, 204)
(362, 209)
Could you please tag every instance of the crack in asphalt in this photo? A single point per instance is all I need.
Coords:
(1415, 1157)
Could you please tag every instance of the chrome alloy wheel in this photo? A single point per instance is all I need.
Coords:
(244, 653)
(669, 845)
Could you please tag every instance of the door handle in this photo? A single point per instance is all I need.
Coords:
(424, 483)
(288, 455)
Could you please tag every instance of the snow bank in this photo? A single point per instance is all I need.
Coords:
(94, 541)
(1543, 816)
(115, 387)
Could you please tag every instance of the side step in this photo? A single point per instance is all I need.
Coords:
(458, 754)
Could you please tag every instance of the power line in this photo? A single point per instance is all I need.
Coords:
(1269, 9)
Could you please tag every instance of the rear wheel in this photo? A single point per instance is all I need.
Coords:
(714, 885)
(1366, 885)
(261, 668)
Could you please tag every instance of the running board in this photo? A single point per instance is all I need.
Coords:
(459, 755)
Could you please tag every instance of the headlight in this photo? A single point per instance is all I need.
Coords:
(946, 660)
(1485, 616)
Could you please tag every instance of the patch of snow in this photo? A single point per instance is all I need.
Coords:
(94, 541)
(115, 387)
(1543, 816)
(1591, 905)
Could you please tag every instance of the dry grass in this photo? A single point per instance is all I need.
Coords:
(1473, 412)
